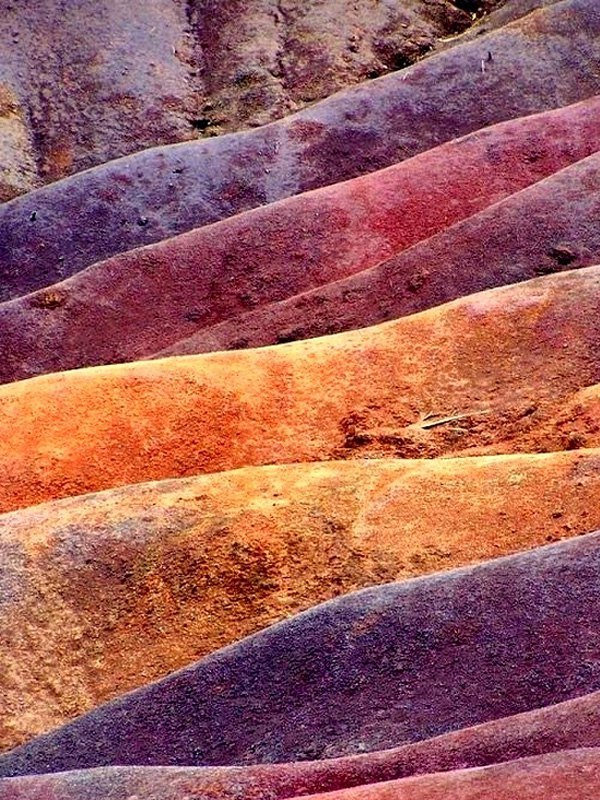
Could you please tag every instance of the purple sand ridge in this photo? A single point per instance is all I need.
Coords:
(59, 229)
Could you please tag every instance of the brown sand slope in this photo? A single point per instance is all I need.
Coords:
(495, 16)
(576, 423)
(569, 725)
(480, 371)
(137, 303)
(105, 592)
(262, 60)
(97, 79)
(18, 170)
(226, 70)
(542, 63)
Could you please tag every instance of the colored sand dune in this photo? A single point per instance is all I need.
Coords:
(121, 587)
(571, 774)
(375, 669)
(167, 291)
(96, 80)
(300, 414)
(163, 191)
(483, 371)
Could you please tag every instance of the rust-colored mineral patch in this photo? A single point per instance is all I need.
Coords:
(483, 371)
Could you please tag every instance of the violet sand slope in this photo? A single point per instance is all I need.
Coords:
(109, 591)
(541, 62)
(572, 724)
(543, 229)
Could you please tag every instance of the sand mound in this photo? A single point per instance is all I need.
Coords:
(572, 774)
(569, 725)
(164, 292)
(543, 229)
(97, 80)
(482, 371)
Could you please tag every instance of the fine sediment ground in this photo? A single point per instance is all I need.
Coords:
(543, 229)
(486, 371)
(569, 775)
(164, 292)
(571, 725)
(92, 81)
(357, 567)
